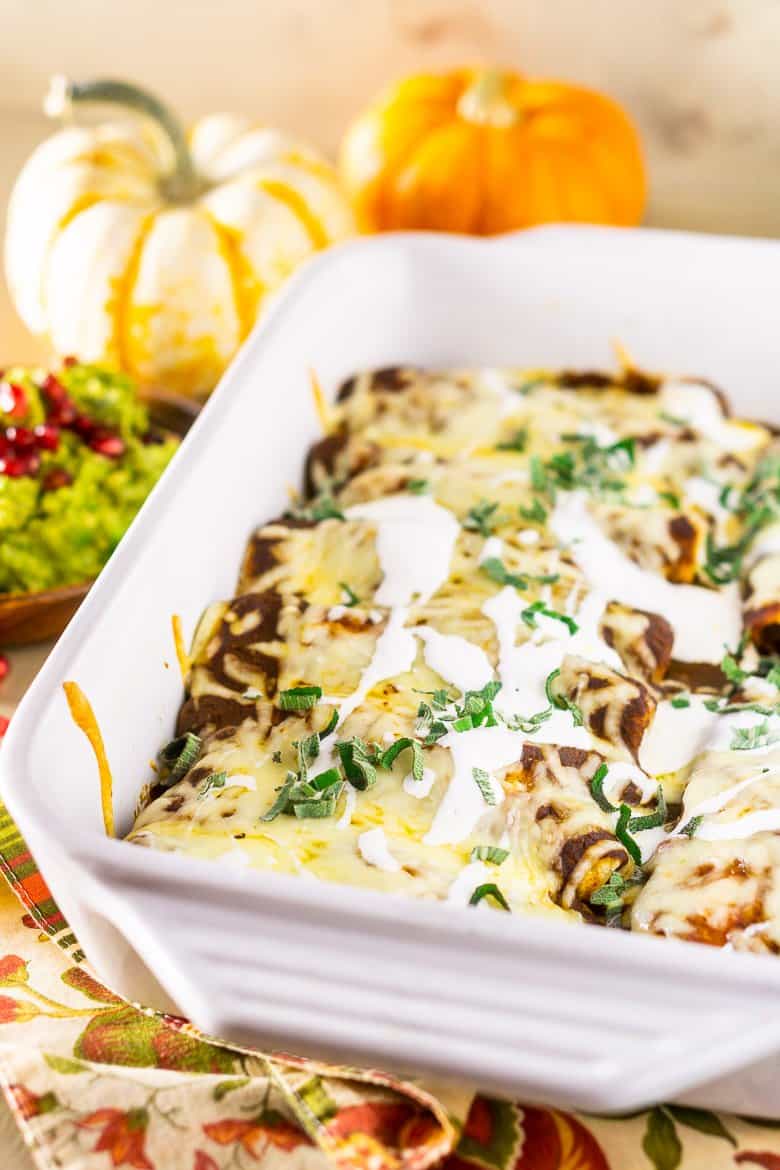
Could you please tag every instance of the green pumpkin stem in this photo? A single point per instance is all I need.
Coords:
(182, 184)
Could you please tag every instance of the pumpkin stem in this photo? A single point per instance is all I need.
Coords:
(181, 184)
(485, 100)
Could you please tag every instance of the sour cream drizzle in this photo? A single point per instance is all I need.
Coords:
(457, 660)
(373, 848)
(703, 620)
(698, 406)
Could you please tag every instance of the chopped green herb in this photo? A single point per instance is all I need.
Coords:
(515, 442)
(498, 572)
(652, 820)
(280, 804)
(331, 726)
(484, 784)
(597, 789)
(351, 598)
(490, 853)
(746, 738)
(691, 827)
(612, 895)
(299, 698)
(672, 499)
(537, 513)
(322, 508)
(623, 835)
(562, 702)
(773, 676)
(529, 616)
(538, 474)
(277, 757)
(488, 890)
(418, 487)
(401, 745)
(732, 669)
(215, 780)
(178, 756)
(359, 761)
(481, 518)
(674, 419)
(680, 701)
(315, 808)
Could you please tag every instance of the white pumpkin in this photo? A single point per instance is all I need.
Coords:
(127, 243)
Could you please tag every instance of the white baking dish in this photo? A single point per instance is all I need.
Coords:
(580, 1016)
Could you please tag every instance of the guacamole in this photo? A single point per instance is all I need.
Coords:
(77, 460)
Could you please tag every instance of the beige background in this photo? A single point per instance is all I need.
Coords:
(700, 76)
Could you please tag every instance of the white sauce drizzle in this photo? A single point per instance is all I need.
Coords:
(603, 434)
(420, 788)
(373, 849)
(462, 805)
(350, 800)
(493, 547)
(457, 660)
(470, 877)
(706, 495)
(676, 736)
(655, 456)
(415, 539)
(698, 406)
(500, 384)
(702, 619)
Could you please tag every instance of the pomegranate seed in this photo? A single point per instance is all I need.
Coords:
(55, 478)
(63, 414)
(13, 466)
(5, 667)
(53, 389)
(104, 443)
(47, 437)
(4, 721)
(84, 426)
(13, 400)
(21, 439)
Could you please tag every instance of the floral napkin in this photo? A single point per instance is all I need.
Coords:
(96, 1082)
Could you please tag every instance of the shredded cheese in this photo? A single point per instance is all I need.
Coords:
(84, 718)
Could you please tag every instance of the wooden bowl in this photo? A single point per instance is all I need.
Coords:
(36, 617)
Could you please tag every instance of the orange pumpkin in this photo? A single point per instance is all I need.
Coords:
(484, 151)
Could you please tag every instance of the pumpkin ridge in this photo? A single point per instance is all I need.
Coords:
(297, 204)
(124, 295)
(247, 288)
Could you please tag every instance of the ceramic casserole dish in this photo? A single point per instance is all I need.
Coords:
(595, 1020)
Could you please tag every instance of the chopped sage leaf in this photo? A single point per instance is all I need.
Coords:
(493, 854)
(597, 789)
(484, 784)
(351, 597)
(623, 835)
(299, 698)
(488, 890)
